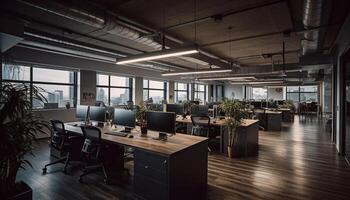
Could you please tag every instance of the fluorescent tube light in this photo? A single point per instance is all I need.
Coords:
(166, 53)
(256, 82)
(227, 78)
(197, 72)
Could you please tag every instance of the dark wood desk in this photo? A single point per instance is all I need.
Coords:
(248, 133)
(287, 115)
(274, 120)
(172, 169)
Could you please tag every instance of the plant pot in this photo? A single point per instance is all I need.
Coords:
(233, 152)
(143, 130)
(22, 192)
(68, 106)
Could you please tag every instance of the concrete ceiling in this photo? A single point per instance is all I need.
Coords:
(165, 15)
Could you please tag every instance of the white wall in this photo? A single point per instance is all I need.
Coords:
(234, 91)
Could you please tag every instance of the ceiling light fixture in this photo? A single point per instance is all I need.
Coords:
(209, 71)
(228, 78)
(166, 53)
(256, 82)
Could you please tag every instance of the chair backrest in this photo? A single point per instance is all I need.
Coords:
(59, 134)
(58, 126)
(92, 141)
(203, 120)
(92, 133)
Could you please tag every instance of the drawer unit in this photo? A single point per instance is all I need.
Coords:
(151, 175)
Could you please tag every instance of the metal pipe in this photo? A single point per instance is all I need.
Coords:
(311, 18)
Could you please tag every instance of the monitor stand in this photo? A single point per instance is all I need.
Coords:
(162, 136)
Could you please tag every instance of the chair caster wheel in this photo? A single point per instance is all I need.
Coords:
(44, 170)
(106, 181)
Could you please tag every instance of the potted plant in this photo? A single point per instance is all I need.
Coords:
(187, 107)
(67, 104)
(234, 114)
(18, 127)
(141, 117)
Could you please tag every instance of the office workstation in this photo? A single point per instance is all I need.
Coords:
(168, 100)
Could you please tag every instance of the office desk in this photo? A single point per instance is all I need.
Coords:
(172, 169)
(274, 120)
(248, 132)
(287, 115)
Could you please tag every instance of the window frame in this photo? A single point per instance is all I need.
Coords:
(299, 92)
(177, 90)
(31, 82)
(155, 89)
(196, 91)
(109, 86)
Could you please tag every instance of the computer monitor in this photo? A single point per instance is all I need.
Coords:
(178, 109)
(81, 112)
(195, 102)
(164, 122)
(97, 113)
(124, 118)
(199, 110)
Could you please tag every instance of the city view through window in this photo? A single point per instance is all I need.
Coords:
(113, 90)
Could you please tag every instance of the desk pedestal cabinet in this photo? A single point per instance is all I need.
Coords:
(180, 175)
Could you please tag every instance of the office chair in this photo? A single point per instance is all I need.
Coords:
(201, 127)
(92, 152)
(60, 143)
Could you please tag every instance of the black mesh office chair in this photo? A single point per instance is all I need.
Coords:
(60, 144)
(201, 127)
(92, 152)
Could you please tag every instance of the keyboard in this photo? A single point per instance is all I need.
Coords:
(117, 133)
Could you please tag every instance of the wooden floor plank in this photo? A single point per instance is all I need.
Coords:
(299, 162)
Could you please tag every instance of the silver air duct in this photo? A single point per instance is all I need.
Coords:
(312, 17)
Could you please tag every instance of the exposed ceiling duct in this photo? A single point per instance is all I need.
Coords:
(312, 17)
(108, 23)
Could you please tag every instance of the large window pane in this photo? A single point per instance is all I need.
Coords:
(145, 95)
(15, 72)
(308, 97)
(199, 87)
(259, 93)
(102, 79)
(52, 75)
(310, 88)
(156, 95)
(293, 89)
(119, 96)
(145, 83)
(60, 94)
(180, 96)
(119, 81)
(102, 94)
(293, 96)
(200, 96)
(156, 84)
(181, 86)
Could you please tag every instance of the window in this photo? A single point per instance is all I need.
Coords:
(200, 92)
(303, 93)
(259, 93)
(60, 86)
(154, 91)
(181, 92)
(113, 90)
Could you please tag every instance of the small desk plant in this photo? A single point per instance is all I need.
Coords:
(18, 129)
(234, 114)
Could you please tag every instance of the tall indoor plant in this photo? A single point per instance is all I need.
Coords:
(141, 117)
(234, 114)
(18, 127)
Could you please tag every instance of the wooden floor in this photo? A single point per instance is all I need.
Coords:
(299, 162)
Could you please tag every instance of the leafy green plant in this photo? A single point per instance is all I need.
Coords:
(18, 128)
(289, 104)
(141, 110)
(187, 106)
(234, 114)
